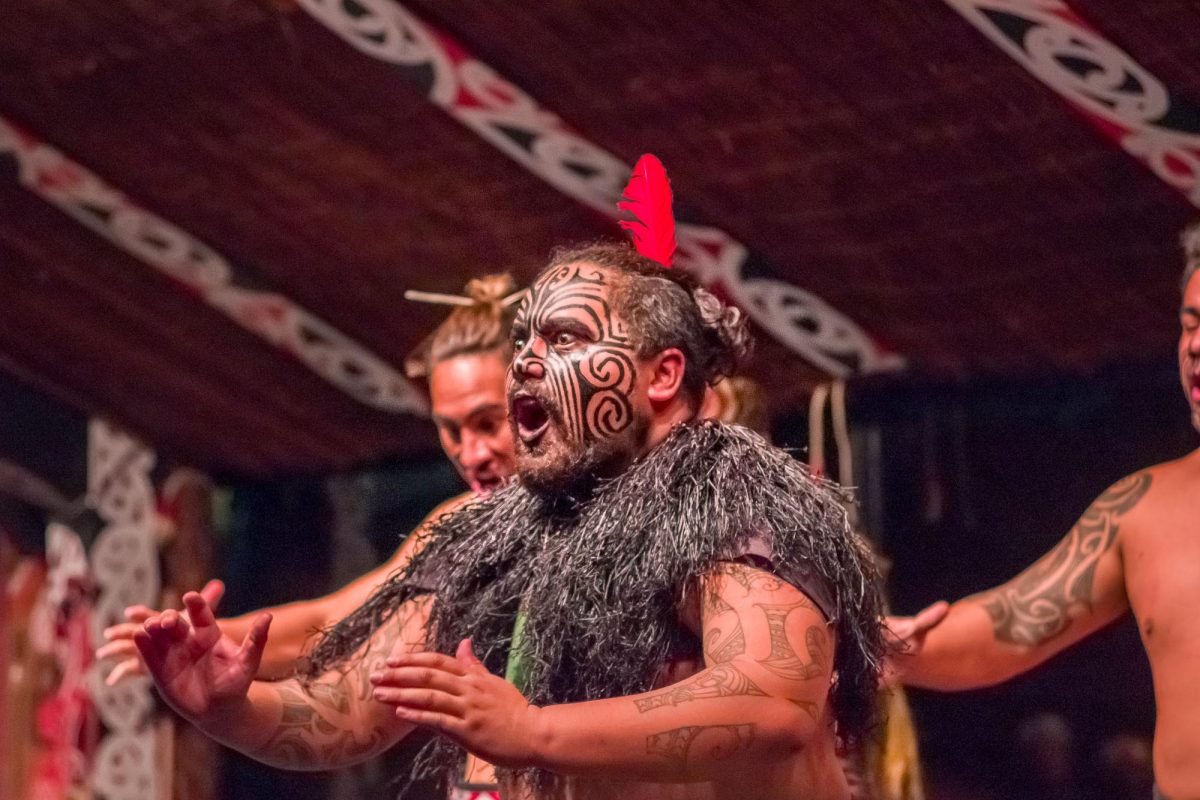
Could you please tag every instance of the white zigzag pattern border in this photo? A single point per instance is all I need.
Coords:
(83, 196)
(475, 95)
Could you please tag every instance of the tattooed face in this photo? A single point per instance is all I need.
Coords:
(1189, 346)
(572, 384)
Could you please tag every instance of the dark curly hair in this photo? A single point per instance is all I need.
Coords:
(667, 308)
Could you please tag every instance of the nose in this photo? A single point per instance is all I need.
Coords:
(1193, 343)
(475, 451)
(529, 362)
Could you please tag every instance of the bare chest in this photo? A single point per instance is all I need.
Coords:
(1162, 576)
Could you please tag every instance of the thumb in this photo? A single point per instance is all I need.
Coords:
(212, 592)
(931, 617)
(466, 657)
(251, 651)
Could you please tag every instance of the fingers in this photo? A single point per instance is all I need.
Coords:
(251, 651)
(212, 592)
(435, 660)
(930, 617)
(421, 700)
(123, 648)
(442, 723)
(138, 614)
(174, 626)
(466, 658)
(899, 628)
(199, 611)
(124, 630)
(129, 668)
(151, 646)
(418, 678)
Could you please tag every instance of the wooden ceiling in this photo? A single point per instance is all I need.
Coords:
(893, 162)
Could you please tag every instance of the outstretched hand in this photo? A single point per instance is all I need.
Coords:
(907, 636)
(119, 637)
(196, 667)
(460, 699)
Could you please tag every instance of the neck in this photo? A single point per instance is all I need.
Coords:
(666, 419)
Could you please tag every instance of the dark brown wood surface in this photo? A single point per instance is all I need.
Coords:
(886, 156)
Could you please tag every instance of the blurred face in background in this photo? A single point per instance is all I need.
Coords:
(470, 410)
(1189, 346)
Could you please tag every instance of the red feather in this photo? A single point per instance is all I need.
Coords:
(648, 199)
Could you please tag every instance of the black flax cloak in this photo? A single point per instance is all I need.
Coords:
(600, 580)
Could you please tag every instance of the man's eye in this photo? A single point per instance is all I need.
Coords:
(565, 338)
(518, 342)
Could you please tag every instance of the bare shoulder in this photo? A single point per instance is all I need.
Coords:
(448, 507)
(414, 542)
(1181, 470)
(1170, 496)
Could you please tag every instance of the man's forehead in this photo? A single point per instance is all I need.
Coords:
(572, 289)
(1191, 292)
(562, 277)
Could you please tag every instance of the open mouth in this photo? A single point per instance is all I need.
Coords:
(1195, 393)
(485, 484)
(531, 417)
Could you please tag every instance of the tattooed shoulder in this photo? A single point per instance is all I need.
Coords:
(1036, 605)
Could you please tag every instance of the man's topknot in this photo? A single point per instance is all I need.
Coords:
(481, 327)
(668, 308)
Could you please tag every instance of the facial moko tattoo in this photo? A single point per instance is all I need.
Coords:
(572, 377)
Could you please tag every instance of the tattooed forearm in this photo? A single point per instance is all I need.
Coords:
(313, 727)
(725, 681)
(718, 742)
(331, 721)
(783, 660)
(1036, 606)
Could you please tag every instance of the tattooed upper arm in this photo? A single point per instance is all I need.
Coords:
(770, 632)
(1040, 603)
(334, 720)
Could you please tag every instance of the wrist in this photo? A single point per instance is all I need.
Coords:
(225, 720)
(540, 729)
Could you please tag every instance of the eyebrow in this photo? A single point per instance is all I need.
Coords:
(570, 325)
(479, 409)
(486, 407)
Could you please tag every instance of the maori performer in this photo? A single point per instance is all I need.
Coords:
(1134, 549)
(464, 361)
(681, 610)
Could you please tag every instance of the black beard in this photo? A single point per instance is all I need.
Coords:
(574, 470)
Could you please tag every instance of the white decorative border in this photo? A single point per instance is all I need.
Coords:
(538, 139)
(124, 567)
(1122, 99)
(83, 196)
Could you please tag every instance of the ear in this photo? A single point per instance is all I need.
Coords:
(666, 376)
